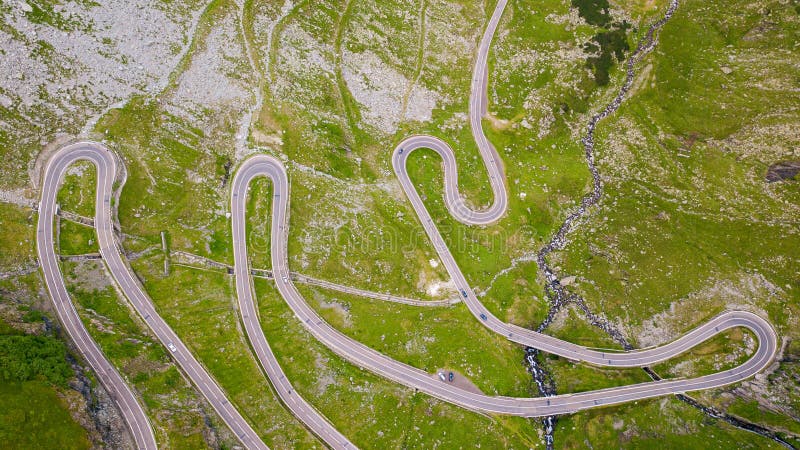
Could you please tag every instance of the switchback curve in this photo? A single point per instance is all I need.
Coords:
(105, 162)
(370, 359)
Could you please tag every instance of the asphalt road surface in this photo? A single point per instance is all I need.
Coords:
(458, 208)
(346, 347)
(109, 377)
(105, 162)
(271, 168)
(522, 335)
(368, 358)
(356, 352)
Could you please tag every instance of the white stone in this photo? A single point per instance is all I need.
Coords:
(566, 281)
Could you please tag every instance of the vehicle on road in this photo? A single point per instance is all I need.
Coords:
(464, 293)
(442, 377)
(285, 279)
(401, 151)
(483, 316)
(172, 347)
(450, 377)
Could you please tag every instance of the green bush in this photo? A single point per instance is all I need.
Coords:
(24, 358)
(33, 315)
(595, 12)
(608, 45)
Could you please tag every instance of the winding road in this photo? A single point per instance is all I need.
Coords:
(106, 165)
(267, 166)
(57, 166)
(351, 350)
(370, 359)
(365, 357)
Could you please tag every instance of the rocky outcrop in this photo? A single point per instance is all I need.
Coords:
(783, 171)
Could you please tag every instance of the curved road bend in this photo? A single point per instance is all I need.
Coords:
(105, 162)
(366, 357)
(528, 337)
(127, 402)
(271, 168)
(458, 208)
(478, 104)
